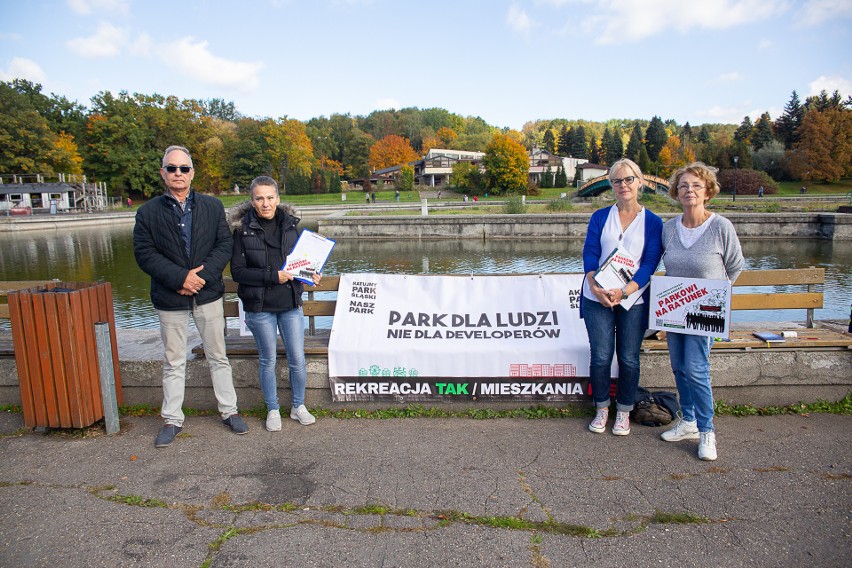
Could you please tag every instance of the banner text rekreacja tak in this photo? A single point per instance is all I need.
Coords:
(412, 338)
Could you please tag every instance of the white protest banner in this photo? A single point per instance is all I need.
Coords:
(423, 337)
(692, 306)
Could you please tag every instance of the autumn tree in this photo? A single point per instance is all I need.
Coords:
(506, 165)
(288, 147)
(392, 150)
(447, 137)
(824, 149)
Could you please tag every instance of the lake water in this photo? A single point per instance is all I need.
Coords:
(107, 254)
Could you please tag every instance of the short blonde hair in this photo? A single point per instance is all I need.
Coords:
(626, 163)
(702, 171)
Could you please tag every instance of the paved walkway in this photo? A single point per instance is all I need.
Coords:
(427, 492)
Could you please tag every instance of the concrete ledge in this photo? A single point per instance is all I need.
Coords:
(830, 226)
(776, 376)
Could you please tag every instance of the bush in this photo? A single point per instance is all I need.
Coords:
(747, 182)
(514, 206)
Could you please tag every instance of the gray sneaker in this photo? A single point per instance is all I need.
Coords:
(167, 436)
(236, 424)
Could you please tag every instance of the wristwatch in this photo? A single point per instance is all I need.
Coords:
(624, 293)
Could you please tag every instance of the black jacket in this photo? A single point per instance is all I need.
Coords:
(252, 266)
(159, 250)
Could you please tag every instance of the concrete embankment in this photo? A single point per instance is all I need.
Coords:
(830, 226)
(776, 376)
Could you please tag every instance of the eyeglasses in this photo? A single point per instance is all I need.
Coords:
(183, 169)
(628, 180)
(696, 187)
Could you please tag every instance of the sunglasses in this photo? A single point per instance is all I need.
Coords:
(183, 169)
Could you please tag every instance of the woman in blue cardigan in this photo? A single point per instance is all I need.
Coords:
(613, 329)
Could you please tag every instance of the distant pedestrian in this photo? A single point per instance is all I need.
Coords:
(803, 190)
(760, 191)
(129, 202)
(373, 196)
(367, 195)
(396, 195)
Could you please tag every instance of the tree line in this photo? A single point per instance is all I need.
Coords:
(117, 138)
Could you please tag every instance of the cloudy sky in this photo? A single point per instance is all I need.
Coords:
(506, 61)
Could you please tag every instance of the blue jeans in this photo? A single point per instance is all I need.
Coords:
(616, 331)
(265, 327)
(690, 357)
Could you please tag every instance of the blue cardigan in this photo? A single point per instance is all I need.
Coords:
(648, 262)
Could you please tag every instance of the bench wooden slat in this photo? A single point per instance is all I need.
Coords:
(310, 308)
(327, 284)
(12, 285)
(4, 311)
(785, 301)
(808, 338)
(781, 277)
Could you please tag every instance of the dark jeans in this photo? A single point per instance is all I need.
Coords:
(619, 332)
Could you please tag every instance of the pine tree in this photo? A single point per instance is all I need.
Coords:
(561, 178)
(762, 133)
(546, 178)
(743, 133)
(704, 135)
(549, 141)
(606, 147)
(655, 138)
(644, 162)
(616, 150)
(787, 125)
(634, 145)
(579, 146)
(686, 133)
(565, 139)
(594, 152)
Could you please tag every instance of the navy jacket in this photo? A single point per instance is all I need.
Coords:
(159, 250)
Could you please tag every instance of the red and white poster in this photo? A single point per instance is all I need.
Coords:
(693, 306)
(425, 337)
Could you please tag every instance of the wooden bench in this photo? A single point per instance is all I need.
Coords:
(808, 297)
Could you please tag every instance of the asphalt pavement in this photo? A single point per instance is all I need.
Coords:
(427, 492)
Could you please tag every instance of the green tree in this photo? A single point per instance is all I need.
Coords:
(406, 178)
(634, 145)
(579, 147)
(246, 155)
(549, 141)
(506, 165)
(644, 161)
(27, 143)
(770, 159)
(594, 152)
(561, 178)
(566, 139)
(762, 133)
(546, 178)
(465, 176)
(743, 133)
(787, 125)
(655, 138)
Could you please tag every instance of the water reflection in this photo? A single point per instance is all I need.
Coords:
(106, 253)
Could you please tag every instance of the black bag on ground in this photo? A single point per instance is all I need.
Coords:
(654, 408)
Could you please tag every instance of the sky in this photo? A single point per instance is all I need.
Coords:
(509, 62)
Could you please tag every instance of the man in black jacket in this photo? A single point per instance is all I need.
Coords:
(181, 240)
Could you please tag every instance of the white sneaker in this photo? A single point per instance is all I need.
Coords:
(598, 425)
(302, 415)
(683, 430)
(707, 446)
(273, 420)
(622, 424)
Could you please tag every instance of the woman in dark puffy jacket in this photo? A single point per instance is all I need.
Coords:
(264, 234)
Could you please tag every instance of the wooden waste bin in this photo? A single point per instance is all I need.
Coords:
(53, 330)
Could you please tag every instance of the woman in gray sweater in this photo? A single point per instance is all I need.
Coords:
(697, 244)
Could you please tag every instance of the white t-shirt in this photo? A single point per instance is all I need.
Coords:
(689, 237)
(632, 240)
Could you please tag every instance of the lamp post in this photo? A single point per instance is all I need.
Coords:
(736, 160)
